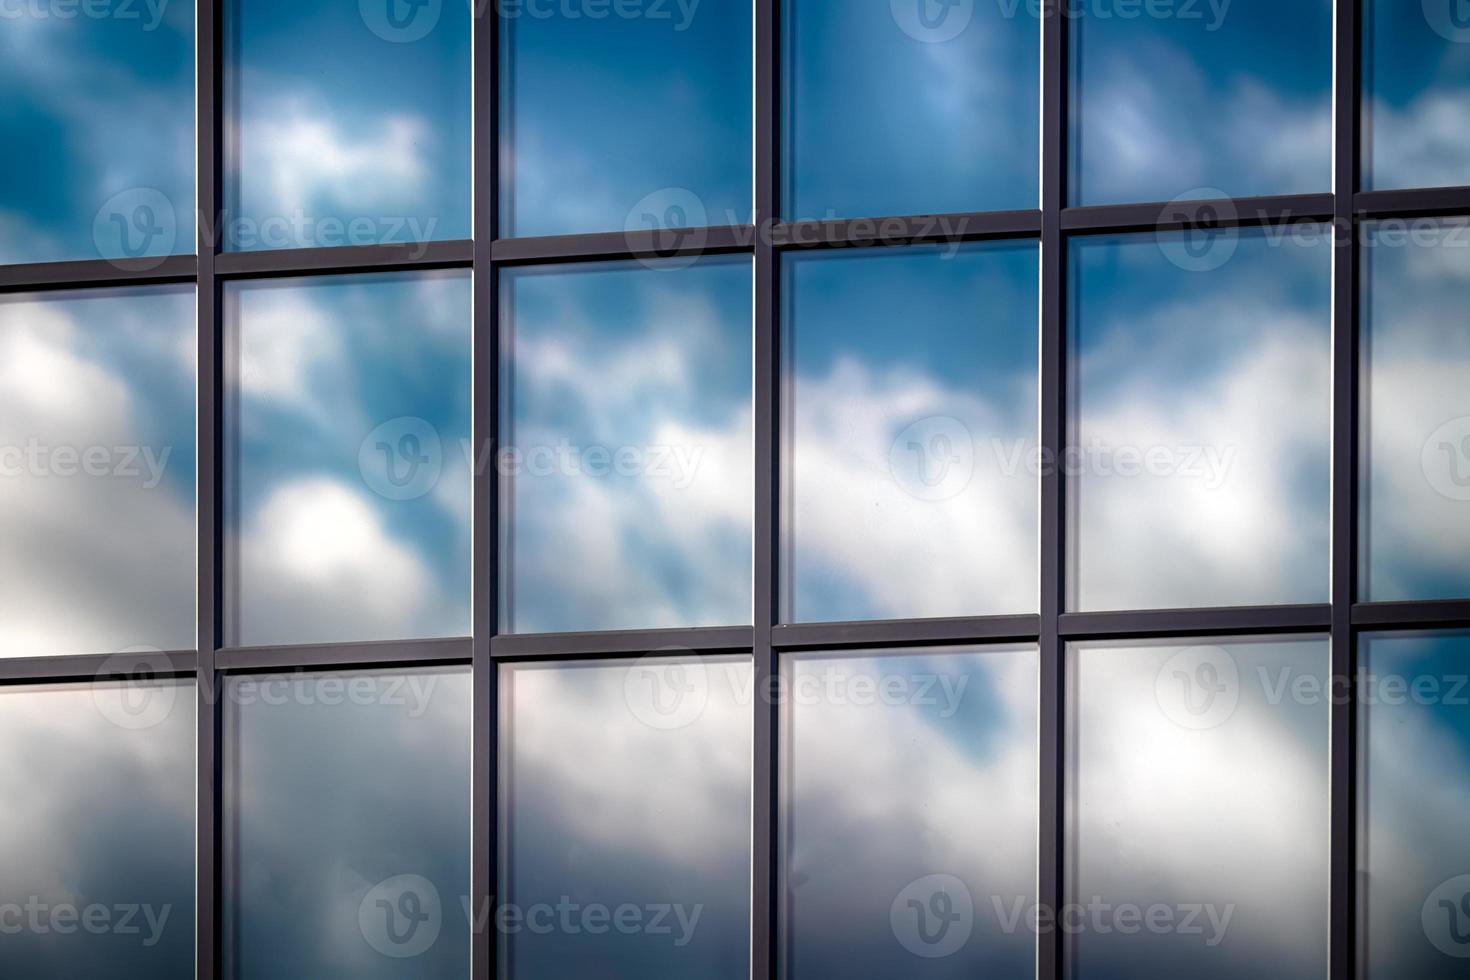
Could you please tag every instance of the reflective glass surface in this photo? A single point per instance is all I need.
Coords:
(347, 492)
(1199, 450)
(97, 471)
(97, 125)
(635, 118)
(911, 406)
(1198, 837)
(1200, 100)
(97, 830)
(346, 123)
(626, 446)
(1416, 411)
(948, 739)
(625, 804)
(910, 107)
(346, 826)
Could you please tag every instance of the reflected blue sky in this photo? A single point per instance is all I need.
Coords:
(1233, 97)
(1416, 405)
(98, 815)
(886, 118)
(347, 460)
(911, 418)
(1415, 786)
(97, 425)
(1416, 98)
(599, 113)
(628, 405)
(618, 791)
(328, 793)
(341, 113)
(1202, 394)
(97, 120)
(954, 751)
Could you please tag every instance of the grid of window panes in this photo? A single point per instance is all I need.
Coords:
(749, 488)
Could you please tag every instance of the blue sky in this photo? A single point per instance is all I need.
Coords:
(1416, 101)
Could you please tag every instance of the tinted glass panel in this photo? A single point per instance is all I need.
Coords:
(348, 123)
(97, 471)
(1200, 444)
(638, 118)
(910, 108)
(1200, 100)
(348, 491)
(1199, 830)
(1416, 411)
(1416, 94)
(346, 826)
(627, 446)
(911, 420)
(949, 740)
(97, 830)
(1415, 798)
(97, 123)
(625, 835)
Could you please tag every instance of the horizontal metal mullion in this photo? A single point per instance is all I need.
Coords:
(554, 646)
(1413, 203)
(907, 632)
(1194, 622)
(347, 259)
(97, 272)
(92, 667)
(618, 245)
(907, 230)
(1412, 615)
(384, 653)
(1177, 215)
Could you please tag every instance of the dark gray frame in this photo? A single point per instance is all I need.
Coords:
(1052, 225)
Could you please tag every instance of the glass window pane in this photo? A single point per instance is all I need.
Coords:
(1416, 411)
(1198, 836)
(1201, 100)
(97, 830)
(627, 445)
(97, 469)
(346, 825)
(911, 431)
(1200, 445)
(346, 123)
(97, 122)
(1414, 858)
(347, 498)
(636, 119)
(948, 739)
(1416, 99)
(625, 798)
(903, 108)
